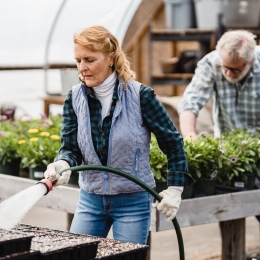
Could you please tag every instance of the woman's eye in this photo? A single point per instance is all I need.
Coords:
(77, 61)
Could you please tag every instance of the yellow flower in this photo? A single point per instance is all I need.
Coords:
(22, 142)
(34, 139)
(45, 134)
(33, 131)
(55, 137)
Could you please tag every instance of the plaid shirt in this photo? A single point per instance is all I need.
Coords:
(235, 106)
(155, 119)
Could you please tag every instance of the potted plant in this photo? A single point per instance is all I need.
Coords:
(231, 159)
(239, 158)
(202, 155)
(9, 159)
(40, 145)
(158, 163)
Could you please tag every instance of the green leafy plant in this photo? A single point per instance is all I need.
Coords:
(239, 156)
(202, 155)
(158, 161)
(40, 145)
(234, 155)
(8, 141)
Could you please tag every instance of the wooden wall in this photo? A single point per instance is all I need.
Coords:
(145, 57)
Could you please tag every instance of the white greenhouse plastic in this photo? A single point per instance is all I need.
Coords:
(26, 26)
(36, 34)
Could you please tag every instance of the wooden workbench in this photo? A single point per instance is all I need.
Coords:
(230, 210)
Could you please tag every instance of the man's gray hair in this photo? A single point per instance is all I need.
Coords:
(237, 43)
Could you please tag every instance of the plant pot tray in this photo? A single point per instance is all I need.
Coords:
(60, 245)
(12, 242)
(117, 250)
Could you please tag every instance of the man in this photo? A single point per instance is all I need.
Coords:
(231, 76)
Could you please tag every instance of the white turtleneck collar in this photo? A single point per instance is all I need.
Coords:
(104, 93)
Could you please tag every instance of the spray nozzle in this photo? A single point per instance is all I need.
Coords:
(48, 183)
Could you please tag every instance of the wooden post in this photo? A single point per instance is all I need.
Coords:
(233, 239)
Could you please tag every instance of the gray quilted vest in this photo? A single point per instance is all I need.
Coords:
(129, 146)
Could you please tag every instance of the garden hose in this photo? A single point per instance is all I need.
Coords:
(140, 183)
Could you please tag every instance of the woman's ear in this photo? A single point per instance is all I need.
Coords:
(112, 58)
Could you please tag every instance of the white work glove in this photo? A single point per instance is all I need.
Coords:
(54, 168)
(169, 205)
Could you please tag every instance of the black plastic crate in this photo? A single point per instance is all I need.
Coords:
(12, 242)
(118, 250)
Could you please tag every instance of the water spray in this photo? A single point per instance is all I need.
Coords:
(50, 182)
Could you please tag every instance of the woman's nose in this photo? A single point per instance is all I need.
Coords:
(83, 66)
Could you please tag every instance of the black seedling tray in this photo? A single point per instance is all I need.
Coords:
(117, 250)
(31, 255)
(60, 245)
(12, 242)
(65, 252)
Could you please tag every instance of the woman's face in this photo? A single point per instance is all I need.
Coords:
(95, 67)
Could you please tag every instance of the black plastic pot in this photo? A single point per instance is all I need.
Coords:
(187, 192)
(250, 184)
(205, 187)
(37, 173)
(12, 168)
(160, 186)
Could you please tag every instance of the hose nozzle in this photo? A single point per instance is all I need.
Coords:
(48, 183)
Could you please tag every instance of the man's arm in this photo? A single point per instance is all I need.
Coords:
(187, 121)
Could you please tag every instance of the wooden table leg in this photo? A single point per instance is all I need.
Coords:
(233, 239)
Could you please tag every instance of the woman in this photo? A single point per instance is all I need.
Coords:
(108, 120)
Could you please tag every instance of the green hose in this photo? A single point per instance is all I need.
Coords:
(140, 183)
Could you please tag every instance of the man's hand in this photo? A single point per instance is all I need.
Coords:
(169, 205)
(54, 168)
(190, 137)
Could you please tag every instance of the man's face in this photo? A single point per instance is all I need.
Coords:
(234, 70)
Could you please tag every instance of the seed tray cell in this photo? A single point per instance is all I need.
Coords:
(117, 250)
(13, 242)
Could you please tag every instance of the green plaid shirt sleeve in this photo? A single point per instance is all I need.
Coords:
(170, 141)
(69, 150)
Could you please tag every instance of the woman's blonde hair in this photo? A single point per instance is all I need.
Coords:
(99, 39)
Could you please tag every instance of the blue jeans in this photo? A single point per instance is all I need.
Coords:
(128, 214)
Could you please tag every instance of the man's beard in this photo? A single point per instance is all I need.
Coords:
(240, 76)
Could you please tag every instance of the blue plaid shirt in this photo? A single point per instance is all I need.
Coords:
(235, 106)
(155, 119)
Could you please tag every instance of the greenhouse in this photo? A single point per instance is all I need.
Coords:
(188, 135)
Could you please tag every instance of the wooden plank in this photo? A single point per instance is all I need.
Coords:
(62, 198)
(192, 212)
(210, 209)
